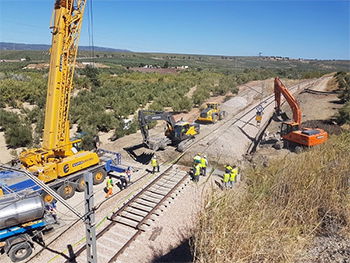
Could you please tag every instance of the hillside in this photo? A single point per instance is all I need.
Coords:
(294, 210)
(225, 64)
(22, 46)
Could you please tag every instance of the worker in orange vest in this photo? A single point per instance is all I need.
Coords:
(109, 187)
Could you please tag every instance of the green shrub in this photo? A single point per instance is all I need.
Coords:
(19, 135)
(344, 114)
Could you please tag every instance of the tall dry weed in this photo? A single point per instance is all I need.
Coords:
(280, 208)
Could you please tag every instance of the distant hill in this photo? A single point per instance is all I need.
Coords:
(21, 46)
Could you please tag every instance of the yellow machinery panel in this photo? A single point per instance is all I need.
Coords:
(211, 113)
(50, 171)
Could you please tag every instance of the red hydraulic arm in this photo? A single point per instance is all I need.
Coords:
(279, 89)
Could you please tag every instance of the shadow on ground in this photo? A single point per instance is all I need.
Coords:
(181, 253)
(144, 157)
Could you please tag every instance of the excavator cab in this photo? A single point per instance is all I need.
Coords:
(288, 127)
(213, 105)
(184, 130)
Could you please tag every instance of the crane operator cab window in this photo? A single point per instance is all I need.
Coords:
(77, 146)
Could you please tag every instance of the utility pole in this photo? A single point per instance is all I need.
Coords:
(91, 251)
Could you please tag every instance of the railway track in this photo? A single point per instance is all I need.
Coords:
(140, 211)
(136, 215)
(243, 119)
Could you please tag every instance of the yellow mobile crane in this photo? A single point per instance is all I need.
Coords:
(58, 157)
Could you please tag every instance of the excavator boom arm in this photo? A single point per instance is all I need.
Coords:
(146, 116)
(279, 89)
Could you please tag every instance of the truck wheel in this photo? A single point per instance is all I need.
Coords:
(80, 184)
(99, 176)
(66, 190)
(47, 198)
(20, 251)
(214, 117)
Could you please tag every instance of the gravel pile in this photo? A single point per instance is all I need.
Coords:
(327, 249)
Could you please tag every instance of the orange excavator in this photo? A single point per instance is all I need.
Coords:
(293, 135)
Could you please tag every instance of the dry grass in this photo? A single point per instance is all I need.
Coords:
(280, 209)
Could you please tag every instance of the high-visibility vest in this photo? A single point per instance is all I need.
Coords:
(226, 177)
(198, 170)
(233, 174)
(109, 183)
(204, 162)
(228, 169)
(154, 163)
(197, 159)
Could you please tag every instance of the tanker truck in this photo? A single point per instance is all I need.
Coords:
(23, 217)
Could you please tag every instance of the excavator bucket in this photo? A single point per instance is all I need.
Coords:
(280, 117)
(284, 116)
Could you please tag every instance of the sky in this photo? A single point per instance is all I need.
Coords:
(298, 29)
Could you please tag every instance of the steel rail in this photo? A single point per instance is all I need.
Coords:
(130, 201)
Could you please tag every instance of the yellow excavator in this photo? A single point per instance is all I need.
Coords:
(58, 158)
(211, 113)
(178, 134)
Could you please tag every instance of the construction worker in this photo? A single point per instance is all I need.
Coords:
(196, 172)
(233, 175)
(225, 180)
(197, 159)
(97, 142)
(259, 113)
(123, 181)
(109, 187)
(51, 208)
(129, 173)
(204, 164)
(154, 163)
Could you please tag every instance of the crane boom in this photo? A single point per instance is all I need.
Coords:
(279, 89)
(67, 21)
(58, 157)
